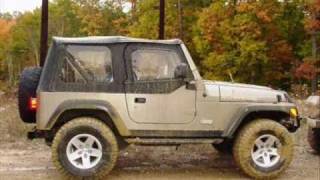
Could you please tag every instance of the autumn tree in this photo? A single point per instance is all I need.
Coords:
(178, 22)
(63, 19)
(312, 26)
(6, 64)
(25, 39)
(247, 41)
(21, 46)
(99, 18)
(230, 42)
(258, 41)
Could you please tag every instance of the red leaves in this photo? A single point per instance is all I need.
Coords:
(282, 51)
(306, 70)
(312, 22)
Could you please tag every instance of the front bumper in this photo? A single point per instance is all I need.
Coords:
(295, 124)
(313, 123)
(292, 123)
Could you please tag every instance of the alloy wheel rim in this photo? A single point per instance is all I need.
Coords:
(84, 151)
(265, 151)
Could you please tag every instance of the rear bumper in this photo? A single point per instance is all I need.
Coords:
(313, 123)
(35, 134)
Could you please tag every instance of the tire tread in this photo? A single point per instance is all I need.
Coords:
(105, 131)
(243, 145)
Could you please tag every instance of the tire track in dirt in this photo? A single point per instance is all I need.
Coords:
(32, 160)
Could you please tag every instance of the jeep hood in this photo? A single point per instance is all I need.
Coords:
(237, 92)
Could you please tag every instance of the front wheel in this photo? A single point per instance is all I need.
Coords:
(84, 147)
(263, 149)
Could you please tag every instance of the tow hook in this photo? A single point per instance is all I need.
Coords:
(293, 124)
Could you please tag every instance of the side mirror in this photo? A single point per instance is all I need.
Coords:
(181, 71)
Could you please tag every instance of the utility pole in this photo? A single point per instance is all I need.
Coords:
(44, 32)
(161, 19)
(180, 20)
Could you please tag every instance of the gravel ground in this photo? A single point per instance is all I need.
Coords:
(24, 159)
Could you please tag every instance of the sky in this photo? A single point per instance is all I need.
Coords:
(18, 5)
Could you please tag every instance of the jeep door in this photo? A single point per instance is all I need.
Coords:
(153, 93)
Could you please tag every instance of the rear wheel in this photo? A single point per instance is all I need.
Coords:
(263, 149)
(314, 139)
(84, 147)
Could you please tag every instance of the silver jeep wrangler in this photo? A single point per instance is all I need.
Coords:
(95, 95)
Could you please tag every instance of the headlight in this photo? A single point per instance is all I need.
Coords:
(293, 113)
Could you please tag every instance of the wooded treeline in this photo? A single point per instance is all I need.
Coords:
(267, 42)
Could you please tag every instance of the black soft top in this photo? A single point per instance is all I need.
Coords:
(110, 39)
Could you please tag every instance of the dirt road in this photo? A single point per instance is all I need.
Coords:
(31, 160)
(24, 159)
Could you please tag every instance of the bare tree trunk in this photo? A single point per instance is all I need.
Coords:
(133, 8)
(61, 32)
(34, 47)
(10, 69)
(133, 4)
(230, 75)
(314, 82)
(18, 72)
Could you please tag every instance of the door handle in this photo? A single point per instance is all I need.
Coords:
(140, 100)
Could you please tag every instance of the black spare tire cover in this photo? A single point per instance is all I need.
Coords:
(28, 84)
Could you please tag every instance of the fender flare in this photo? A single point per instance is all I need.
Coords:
(245, 111)
(88, 105)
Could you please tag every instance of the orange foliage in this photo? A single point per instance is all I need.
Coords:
(5, 27)
(263, 15)
(244, 7)
(312, 23)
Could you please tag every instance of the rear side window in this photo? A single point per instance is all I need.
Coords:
(83, 63)
(154, 64)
